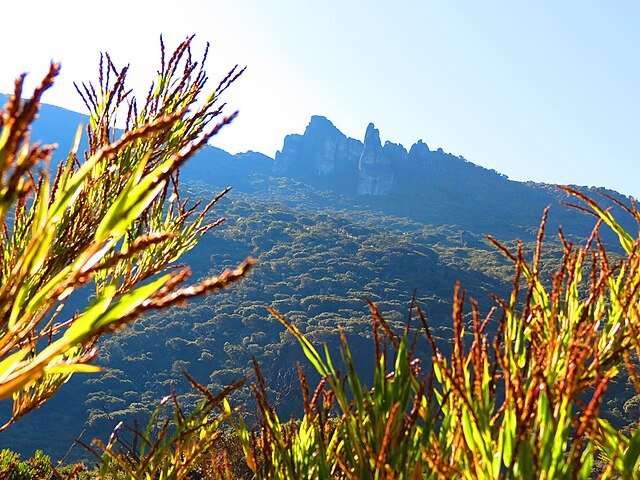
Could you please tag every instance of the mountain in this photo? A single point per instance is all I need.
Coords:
(332, 220)
(424, 185)
(430, 186)
(367, 167)
(56, 125)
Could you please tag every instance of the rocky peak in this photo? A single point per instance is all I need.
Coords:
(376, 174)
(395, 152)
(321, 126)
(418, 153)
(324, 154)
(322, 150)
(419, 148)
(372, 138)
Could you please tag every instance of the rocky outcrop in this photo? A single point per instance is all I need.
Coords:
(322, 150)
(376, 167)
(418, 154)
(324, 154)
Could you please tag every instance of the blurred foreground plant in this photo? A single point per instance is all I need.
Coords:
(113, 219)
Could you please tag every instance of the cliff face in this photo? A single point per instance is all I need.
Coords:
(323, 152)
(376, 167)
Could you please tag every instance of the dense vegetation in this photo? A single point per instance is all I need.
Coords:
(109, 224)
(525, 405)
(315, 268)
(533, 390)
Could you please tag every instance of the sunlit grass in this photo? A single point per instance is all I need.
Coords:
(112, 218)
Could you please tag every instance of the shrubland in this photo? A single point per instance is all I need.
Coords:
(516, 390)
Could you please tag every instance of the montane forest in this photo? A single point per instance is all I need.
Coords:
(347, 308)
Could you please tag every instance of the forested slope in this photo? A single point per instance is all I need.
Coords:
(322, 249)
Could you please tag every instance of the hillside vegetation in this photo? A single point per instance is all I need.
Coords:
(424, 348)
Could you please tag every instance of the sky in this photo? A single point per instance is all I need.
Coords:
(545, 91)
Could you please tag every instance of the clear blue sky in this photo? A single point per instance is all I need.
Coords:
(546, 90)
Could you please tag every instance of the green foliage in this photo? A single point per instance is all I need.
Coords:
(523, 406)
(171, 448)
(374, 432)
(114, 219)
(315, 269)
(523, 403)
(37, 467)
(11, 467)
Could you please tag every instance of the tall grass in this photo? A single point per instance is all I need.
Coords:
(170, 448)
(523, 403)
(517, 397)
(112, 218)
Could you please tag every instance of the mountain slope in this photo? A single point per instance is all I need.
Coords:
(333, 221)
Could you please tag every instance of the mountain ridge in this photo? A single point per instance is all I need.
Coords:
(421, 184)
(58, 125)
(323, 150)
